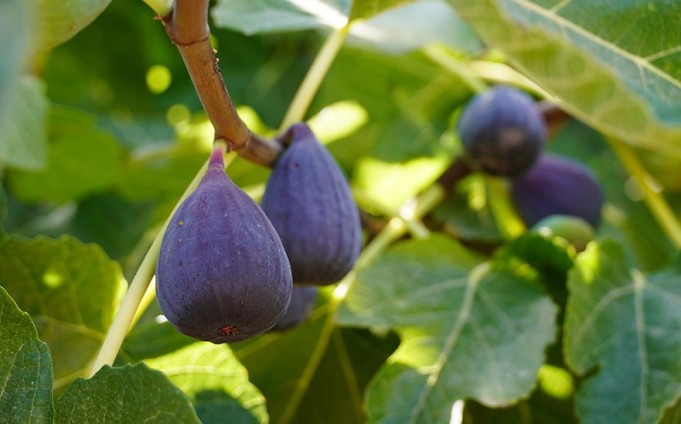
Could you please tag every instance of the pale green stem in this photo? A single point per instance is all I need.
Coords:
(652, 194)
(314, 77)
(504, 74)
(160, 7)
(440, 56)
(395, 229)
(138, 287)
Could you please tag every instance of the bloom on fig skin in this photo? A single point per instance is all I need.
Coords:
(222, 273)
(557, 186)
(309, 202)
(502, 131)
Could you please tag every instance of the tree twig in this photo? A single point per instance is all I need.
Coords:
(187, 27)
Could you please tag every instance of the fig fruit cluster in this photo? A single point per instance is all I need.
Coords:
(226, 266)
(502, 131)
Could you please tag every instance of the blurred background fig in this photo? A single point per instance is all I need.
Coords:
(502, 131)
(303, 299)
(222, 273)
(309, 202)
(557, 186)
(572, 229)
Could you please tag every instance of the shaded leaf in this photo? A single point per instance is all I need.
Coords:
(59, 21)
(215, 382)
(82, 159)
(466, 332)
(71, 291)
(621, 93)
(128, 394)
(626, 326)
(25, 368)
(23, 139)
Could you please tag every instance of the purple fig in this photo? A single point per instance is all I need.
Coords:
(557, 186)
(502, 131)
(222, 273)
(303, 299)
(310, 204)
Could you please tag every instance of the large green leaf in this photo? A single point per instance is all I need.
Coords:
(610, 64)
(58, 21)
(128, 394)
(627, 327)
(23, 127)
(71, 291)
(216, 383)
(467, 332)
(25, 368)
(82, 159)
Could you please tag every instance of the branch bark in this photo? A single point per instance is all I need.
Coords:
(187, 27)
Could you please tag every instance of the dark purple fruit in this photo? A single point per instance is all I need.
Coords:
(557, 186)
(310, 204)
(502, 131)
(303, 300)
(222, 273)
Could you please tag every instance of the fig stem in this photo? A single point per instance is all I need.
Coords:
(138, 287)
(187, 27)
(652, 194)
(314, 77)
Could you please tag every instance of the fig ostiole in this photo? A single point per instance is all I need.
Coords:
(502, 131)
(557, 186)
(222, 273)
(302, 303)
(309, 202)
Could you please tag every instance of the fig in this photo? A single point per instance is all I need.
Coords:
(572, 229)
(303, 299)
(309, 202)
(557, 186)
(502, 131)
(222, 273)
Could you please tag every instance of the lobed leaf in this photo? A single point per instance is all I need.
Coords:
(612, 74)
(624, 326)
(71, 291)
(467, 332)
(25, 367)
(128, 394)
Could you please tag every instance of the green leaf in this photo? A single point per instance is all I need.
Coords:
(25, 367)
(82, 159)
(59, 21)
(626, 325)
(215, 381)
(466, 332)
(23, 143)
(363, 9)
(128, 394)
(609, 72)
(71, 291)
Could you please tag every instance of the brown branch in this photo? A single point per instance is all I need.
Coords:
(187, 27)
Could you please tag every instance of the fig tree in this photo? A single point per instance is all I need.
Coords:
(222, 274)
(502, 131)
(557, 186)
(310, 204)
(303, 299)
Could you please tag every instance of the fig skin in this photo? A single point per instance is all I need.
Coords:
(572, 229)
(557, 186)
(502, 131)
(303, 299)
(222, 273)
(309, 202)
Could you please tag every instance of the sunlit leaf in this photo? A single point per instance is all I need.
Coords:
(71, 291)
(25, 367)
(624, 326)
(611, 73)
(128, 394)
(59, 21)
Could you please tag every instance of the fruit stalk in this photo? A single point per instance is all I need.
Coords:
(187, 26)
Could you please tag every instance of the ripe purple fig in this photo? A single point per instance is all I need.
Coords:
(303, 300)
(557, 186)
(222, 273)
(310, 204)
(502, 131)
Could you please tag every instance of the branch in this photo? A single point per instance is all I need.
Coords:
(187, 27)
